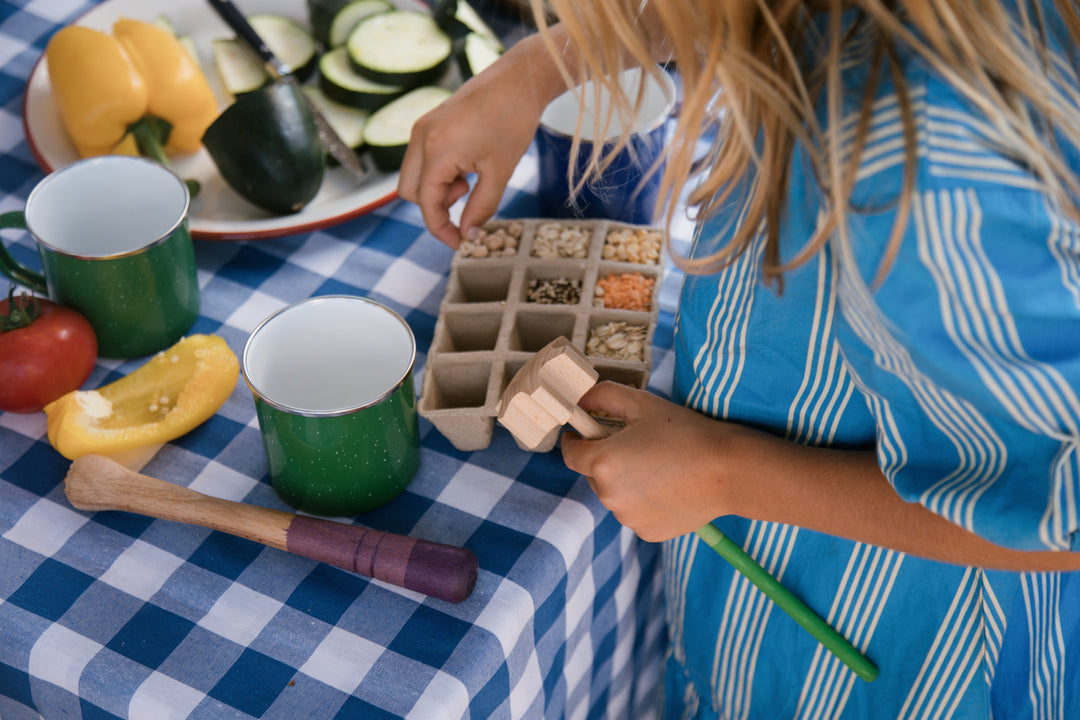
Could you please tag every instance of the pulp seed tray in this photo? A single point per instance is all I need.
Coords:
(524, 283)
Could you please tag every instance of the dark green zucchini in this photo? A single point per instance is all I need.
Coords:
(386, 134)
(341, 83)
(402, 47)
(349, 16)
(266, 147)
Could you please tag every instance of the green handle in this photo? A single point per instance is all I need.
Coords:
(833, 641)
(12, 268)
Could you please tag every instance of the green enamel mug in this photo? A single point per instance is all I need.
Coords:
(332, 379)
(112, 237)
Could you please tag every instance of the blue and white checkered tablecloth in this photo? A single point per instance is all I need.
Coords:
(115, 615)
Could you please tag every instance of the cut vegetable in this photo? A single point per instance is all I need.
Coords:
(341, 83)
(238, 69)
(346, 20)
(290, 41)
(267, 148)
(399, 48)
(458, 18)
(387, 131)
(347, 122)
(476, 52)
(165, 23)
(174, 392)
(321, 15)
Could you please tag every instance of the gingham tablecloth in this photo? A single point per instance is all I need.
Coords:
(111, 614)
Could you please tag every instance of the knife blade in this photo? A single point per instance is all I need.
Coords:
(281, 72)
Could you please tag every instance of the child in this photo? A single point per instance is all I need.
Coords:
(877, 344)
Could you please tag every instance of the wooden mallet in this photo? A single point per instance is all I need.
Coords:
(543, 396)
(95, 482)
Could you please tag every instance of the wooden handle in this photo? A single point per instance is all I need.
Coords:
(443, 571)
(585, 424)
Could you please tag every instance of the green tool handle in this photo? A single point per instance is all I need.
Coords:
(833, 641)
(793, 606)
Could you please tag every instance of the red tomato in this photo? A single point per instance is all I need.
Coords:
(47, 358)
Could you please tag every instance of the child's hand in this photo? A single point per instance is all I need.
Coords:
(483, 128)
(665, 473)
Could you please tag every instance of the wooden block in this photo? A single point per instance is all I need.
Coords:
(544, 394)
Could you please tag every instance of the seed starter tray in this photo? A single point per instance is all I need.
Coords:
(487, 329)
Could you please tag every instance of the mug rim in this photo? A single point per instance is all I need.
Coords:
(108, 159)
(670, 94)
(335, 412)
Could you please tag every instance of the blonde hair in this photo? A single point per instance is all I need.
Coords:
(742, 65)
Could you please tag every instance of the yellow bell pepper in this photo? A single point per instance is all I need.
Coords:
(97, 89)
(179, 91)
(107, 85)
(173, 393)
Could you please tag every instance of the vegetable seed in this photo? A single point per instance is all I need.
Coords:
(553, 291)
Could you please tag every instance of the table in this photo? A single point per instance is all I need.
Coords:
(106, 615)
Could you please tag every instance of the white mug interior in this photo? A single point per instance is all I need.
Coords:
(329, 354)
(106, 206)
(658, 100)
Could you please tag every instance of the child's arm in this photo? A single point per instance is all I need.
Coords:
(671, 470)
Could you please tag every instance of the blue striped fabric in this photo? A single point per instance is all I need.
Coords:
(962, 369)
(113, 615)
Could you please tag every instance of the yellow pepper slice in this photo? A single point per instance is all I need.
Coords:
(98, 91)
(178, 90)
(173, 393)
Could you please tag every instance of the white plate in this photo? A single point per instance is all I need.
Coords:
(218, 213)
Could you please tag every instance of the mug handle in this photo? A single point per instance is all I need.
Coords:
(11, 267)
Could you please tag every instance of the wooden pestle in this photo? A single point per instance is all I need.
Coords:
(544, 395)
(95, 482)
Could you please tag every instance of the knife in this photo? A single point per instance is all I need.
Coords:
(281, 72)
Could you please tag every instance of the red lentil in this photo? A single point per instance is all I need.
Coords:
(627, 291)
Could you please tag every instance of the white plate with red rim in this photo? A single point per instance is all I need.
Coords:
(217, 213)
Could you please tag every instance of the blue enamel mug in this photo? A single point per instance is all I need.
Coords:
(622, 192)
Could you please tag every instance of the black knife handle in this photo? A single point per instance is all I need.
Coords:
(240, 25)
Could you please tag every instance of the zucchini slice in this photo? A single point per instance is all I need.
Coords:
(347, 122)
(475, 52)
(321, 15)
(349, 16)
(458, 19)
(290, 41)
(267, 148)
(401, 47)
(387, 131)
(341, 83)
(238, 69)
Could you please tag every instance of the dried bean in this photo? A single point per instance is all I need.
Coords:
(636, 245)
(498, 241)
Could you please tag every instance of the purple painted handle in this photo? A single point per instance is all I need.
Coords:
(442, 571)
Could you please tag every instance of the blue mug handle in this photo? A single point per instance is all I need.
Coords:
(13, 268)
